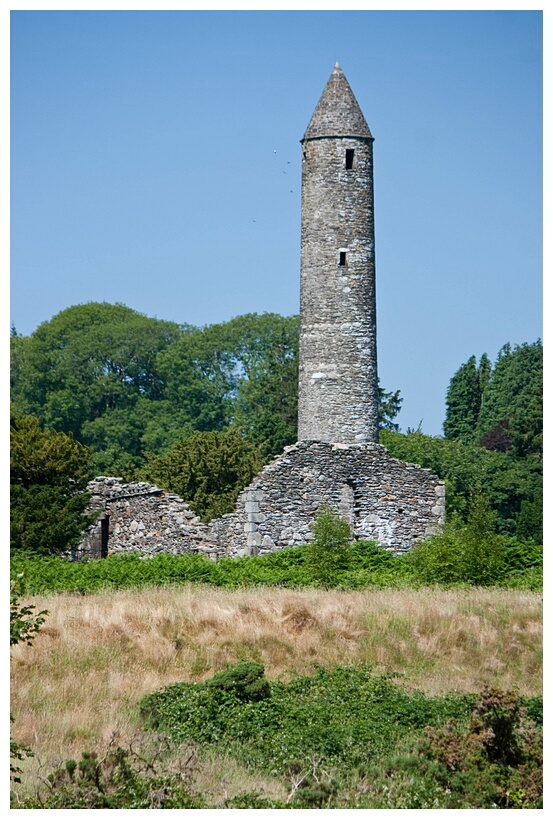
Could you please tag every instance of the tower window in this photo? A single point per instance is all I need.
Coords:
(342, 258)
(349, 158)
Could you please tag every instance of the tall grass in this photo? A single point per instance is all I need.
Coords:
(98, 655)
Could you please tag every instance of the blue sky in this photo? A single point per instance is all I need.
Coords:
(155, 161)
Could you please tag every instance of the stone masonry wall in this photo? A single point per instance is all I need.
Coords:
(383, 499)
(141, 517)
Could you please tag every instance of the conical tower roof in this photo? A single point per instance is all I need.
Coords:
(337, 113)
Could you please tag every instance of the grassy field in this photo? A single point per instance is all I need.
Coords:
(79, 684)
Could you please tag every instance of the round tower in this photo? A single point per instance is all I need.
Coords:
(338, 383)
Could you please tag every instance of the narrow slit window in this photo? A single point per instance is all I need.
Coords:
(349, 158)
(342, 258)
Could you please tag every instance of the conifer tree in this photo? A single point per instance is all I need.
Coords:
(463, 402)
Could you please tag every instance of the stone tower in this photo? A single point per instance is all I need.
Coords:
(338, 383)
(337, 460)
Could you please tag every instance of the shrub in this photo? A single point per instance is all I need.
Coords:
(245, 680)
(496, 762)
(24, 623)
(469, 553)
(329, 552)
(121, 779)
(24, 626)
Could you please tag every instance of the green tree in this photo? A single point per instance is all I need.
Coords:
(241, 372)
(506, 481)
(389, 407)
(48, 475)
(208, 470)
(515, 386)
(463, 401)
(470, 552)
(88, 362)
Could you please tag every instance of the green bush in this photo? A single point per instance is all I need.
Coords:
(497, 759)
(345, 738)
(245, 680)
(329, 552)
(443, 560)
(473, 553)
(25, 624)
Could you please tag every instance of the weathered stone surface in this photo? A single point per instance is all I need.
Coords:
(373, 491)
(338, 383)
(140, 517)
(354, 481)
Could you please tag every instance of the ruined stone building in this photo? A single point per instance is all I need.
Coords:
(337, 460)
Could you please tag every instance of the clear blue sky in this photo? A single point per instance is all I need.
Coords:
(155, 161)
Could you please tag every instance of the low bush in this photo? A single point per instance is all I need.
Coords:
(121, 779)
(329, 553)
(472, 553)
(347, 738)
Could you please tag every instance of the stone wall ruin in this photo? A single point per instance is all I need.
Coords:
(382, 498)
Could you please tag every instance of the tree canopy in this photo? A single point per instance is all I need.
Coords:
(499, 407)
(48, 475)
(208, 470)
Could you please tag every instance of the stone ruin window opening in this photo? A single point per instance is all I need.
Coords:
(349, 158)
(342, 262)
(104, 532)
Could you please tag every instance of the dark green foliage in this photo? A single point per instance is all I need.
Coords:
(24, 622)
(48, 472)
(121, 779)
(243, 371)
(473, 552)
(42, 457)
(389, 406)
(208, 470)
(506, 480)
(344, 738)
(463, 402)
(469, 553)
(529, 521)
(329, 552)
(245, 680)
(501, 407)
(125, 384)
(369, 566)
(526, 428)
(343, 714)
(266, 407)
(515, 383)
(18, 752)
(89, 359)
(252, 801)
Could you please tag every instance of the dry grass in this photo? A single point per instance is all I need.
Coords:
(96, 656)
